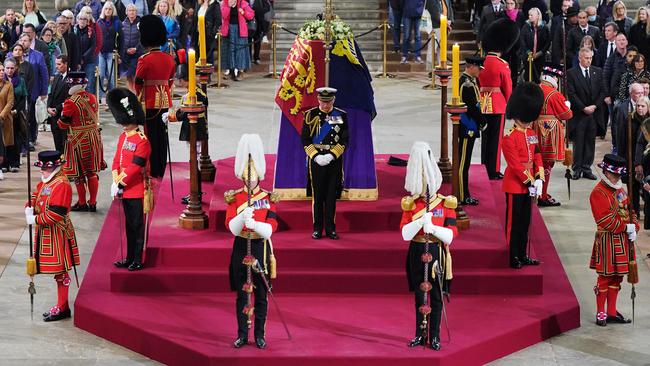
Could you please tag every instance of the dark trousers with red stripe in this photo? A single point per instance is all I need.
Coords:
(491, 144)
(518, 208)
(134, 225)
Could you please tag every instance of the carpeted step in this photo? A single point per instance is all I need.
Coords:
(527, 281)
(327, 329)
(379, 250)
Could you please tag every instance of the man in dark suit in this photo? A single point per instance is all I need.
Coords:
(574, 38)
(39, 46)
(490, 13)
(71, 40)
(58, 95)
(607, 46)
(586, 91)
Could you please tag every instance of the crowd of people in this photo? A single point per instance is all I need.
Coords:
(102, 39)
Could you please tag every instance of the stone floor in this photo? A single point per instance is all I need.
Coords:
(405, 113)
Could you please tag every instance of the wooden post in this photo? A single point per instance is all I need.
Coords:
(193, 217)
(455, 109)
(443, 73)
(208, 170)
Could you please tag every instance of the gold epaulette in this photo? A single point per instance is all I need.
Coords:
(408, 203)
(450, 201)
(229, 196)
(274, 197)
(509, 131)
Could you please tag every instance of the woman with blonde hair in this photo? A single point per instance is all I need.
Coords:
(535, 38)
(619, 16)
(111, 28)
(640, 32)
(164, 11)
(33, 15)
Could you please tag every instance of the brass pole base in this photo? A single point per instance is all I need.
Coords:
(208, 170)
(431, 87)
(272, 75)
(193, 219)
(462, 220)
(388, 76)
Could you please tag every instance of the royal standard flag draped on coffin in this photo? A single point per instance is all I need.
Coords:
(303, 73)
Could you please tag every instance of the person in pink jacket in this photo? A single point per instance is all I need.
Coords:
(234, 29)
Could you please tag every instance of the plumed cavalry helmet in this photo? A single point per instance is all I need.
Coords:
(125, 107)
(250, 145)
(500, 36)
(422, 170)
(525, 103)
(152, 31)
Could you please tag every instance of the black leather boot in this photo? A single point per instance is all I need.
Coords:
(417, 341)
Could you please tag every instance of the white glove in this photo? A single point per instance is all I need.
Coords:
(329, 158)
(165, 117)
(630, 228)
(632, 236)
(532, 191)
(567, 103)
(321, 160)
(250, 224)
(538, 187)
(115, 190)
(31, 219)
(248, 213)
(429, 228)
(29, 211)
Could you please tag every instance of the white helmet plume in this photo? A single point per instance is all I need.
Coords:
(250, 144)
(422, 170)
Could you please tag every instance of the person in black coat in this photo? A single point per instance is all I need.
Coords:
(560, 37)
(212, 12)
(586, 94)
(527, 43)
(638, 35)
(512, 56)
(642, 167)
(58, 94)
(490, 13)
(260, 7)
(574, 38)
(398, 8)
(71, 40)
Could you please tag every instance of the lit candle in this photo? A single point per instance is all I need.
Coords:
(191, 65)
(455, 73)
(202, 49)
(443, 40)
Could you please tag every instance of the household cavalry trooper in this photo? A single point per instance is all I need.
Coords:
(153, 82)
(616, 230)
(550, 126)
(524, 174)
(251, 218)
(84, 150)
(325, 137)
(55, 243)
(496, 87)
(471, 123)
(429, 223)
(130, 180)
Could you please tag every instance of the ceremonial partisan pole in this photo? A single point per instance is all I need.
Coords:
(328, 39)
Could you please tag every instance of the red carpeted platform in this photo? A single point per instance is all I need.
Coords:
(345, 301)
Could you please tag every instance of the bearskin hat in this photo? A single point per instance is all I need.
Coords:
(500, 36)
(152, 31)
(525, 103)
(125, 107)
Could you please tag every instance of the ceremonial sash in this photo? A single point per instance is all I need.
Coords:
(324, 130)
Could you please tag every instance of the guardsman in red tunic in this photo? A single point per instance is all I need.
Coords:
(430, 227)
(251, 214)
(524, 175)
(153, 84)
(130, 172)
(616, 231)
(550, 126)
(55, 244)
(84, 150)
(496, 87)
